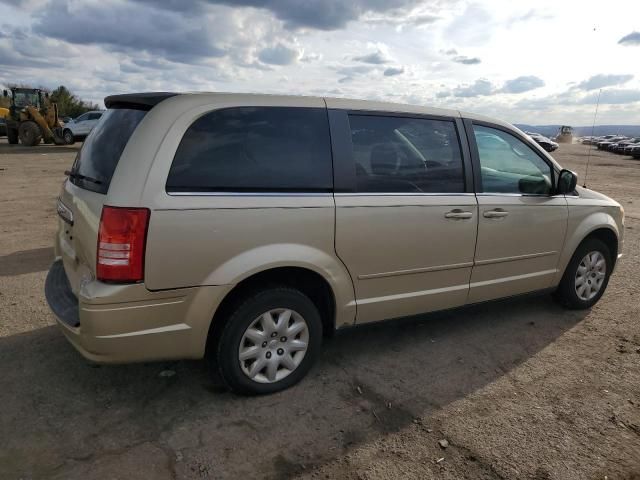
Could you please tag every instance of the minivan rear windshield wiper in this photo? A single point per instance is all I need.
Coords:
(83, 177)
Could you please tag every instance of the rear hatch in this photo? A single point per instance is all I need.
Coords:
(85, 191)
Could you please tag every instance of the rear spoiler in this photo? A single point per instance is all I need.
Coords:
(137, 101)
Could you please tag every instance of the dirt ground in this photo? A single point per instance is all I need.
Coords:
(519, 389)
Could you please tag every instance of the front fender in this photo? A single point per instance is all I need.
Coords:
(582, 222)
(263, 258)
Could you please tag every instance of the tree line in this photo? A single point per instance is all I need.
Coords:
(69, 105)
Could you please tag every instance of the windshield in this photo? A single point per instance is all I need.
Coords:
(22, 99)
(97, 159)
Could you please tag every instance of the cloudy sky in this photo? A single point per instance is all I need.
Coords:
(536, 62)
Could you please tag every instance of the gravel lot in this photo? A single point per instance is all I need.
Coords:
(519, 389)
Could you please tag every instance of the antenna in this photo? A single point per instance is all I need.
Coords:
(593, 127)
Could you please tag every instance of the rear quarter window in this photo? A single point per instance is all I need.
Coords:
(97, 159)
(254, 149)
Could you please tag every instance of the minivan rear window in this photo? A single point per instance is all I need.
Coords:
(97, 159)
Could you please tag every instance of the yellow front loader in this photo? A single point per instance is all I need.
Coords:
(565, 134)
(32, 118)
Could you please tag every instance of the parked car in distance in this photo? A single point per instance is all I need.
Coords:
(629, 148)
(245, 228)
(604, 144)
(546, 143)
(635, 151)
(79, 128)
(603, 138)
(622, 144)
(613, 145)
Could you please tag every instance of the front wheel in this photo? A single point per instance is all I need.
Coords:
(587, 275)
(270, 341)
(68, 137)
(29, 133)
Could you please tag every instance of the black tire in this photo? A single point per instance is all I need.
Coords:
(242, 315)
(29, 133)
(567, 294)
(12, 136)
(68, 137)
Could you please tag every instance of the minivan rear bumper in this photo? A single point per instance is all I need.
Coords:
(128, 323)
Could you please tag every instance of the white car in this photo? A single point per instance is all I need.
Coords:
(80, 127)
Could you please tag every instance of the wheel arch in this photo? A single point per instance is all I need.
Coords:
(601, 226)
(607, 236)
(308, 281)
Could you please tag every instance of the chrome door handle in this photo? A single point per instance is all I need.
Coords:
(458, 214)
(497, 213)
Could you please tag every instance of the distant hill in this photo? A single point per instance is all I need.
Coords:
(552, 130)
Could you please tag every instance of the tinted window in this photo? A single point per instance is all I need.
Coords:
(394, 154)
(100, 153)
(508, 165)
(94, 116)
(82, 118)
(255, 149)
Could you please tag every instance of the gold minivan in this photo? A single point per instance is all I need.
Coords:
(245, 228)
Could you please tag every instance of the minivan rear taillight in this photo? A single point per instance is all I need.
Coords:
(122, 240)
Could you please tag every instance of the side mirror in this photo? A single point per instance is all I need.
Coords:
(5, 93)
(567, 181)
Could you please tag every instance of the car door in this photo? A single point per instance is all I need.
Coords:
(406, 216)
(80, 125)
(521, 223)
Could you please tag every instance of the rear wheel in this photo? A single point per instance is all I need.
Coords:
(587, 275)
(29, 133)
(270, 341)
(12, 135)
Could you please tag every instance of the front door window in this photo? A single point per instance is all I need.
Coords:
(508, 165)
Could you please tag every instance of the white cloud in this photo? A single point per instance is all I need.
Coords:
(490, 56)
(522, 84)
(472, 27)
(376, 58)
(631, 39)
(279, 54)
(601, 80)
(613, 97)
(393, 71)
(464, 60)
(476, 89)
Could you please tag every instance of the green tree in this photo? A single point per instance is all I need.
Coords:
(68, 104)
